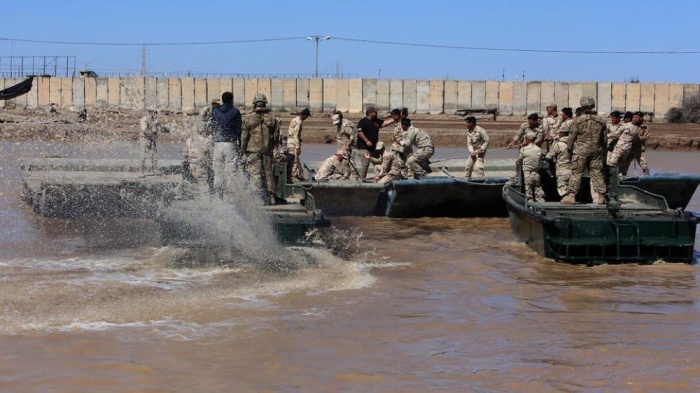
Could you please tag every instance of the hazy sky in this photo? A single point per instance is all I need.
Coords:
(552, 25)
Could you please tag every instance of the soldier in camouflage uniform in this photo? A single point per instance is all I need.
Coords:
(529, 159)
(614, 129)
(424, 149)
(567, 120)
(149, 133)
(531, 125)
(259, 138)
(560, 154)
(294, 144)
(334, 167)
(586, 142)
(550, 124)
(640, 146)
(391, 164)
(621, 155)
(346, 136)
(477, 143)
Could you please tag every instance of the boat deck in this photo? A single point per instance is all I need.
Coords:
(556, 209)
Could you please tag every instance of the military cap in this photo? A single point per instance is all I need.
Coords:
(530, 135)
(615, 114)
(587, 101)
(396, 147)
(552, 105)
(380, 145)
(336, 119)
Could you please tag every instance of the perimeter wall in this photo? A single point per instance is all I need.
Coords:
(348, 95)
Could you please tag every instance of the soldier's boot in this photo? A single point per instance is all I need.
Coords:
(600, 200)
(568, 200)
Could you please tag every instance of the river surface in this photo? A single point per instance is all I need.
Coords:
(451, 305)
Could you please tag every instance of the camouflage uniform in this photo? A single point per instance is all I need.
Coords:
(621, 154)
(346, 135)
(562, 157)
(565, 126)
(585, 141)
(613, 134)
(198, 161)
(425, 150)
(392, 164)
(640, 147)
(550, 126)
(529, 159)
(525, 127)
(147, 138)
(294, 148)
(477, 139)
(259, 137)
(333, 168)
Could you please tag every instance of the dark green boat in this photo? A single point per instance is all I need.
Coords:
(634, 226)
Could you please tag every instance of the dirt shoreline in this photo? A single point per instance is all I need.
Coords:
(445, 130)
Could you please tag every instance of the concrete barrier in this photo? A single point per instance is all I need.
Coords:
(350, 95)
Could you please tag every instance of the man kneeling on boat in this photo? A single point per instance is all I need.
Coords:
(333, 168)
(390, 165)
(530, 159)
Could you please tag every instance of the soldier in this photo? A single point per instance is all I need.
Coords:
(391, 164)
(377, 161)
(294, 145)
(621, 155)
(529, 159)
(531, 125)
(615, 127)
(550, 124)
(226, 135)
(198, 160)
(640, 146)
(424, 149)
(560, 154)
(586, 143)
(259, 138)
(578, 112)
(206, 115)
(477, 143)
(346, 136)
(333, 168)
(627, 118)
(149, 133)
(567, 119)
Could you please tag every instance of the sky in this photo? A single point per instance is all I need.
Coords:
(543, 25)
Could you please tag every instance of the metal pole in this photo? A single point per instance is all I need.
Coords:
(317, 38)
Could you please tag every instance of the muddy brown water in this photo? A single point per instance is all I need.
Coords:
(448, 305)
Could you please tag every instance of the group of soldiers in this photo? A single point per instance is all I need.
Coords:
(580, 142)
(228, 144)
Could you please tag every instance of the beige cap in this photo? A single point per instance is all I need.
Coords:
(552, 105)
(336, 119)
(530, 135)
(380, 145)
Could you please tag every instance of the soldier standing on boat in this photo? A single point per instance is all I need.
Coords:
(567, 119)
(530, 159)
(149, 133)
(550, 124)
(532, 125)
(346, 137)
(477, 143)
(226, 134)
(424, 149)
(586, 142)
(294, 144)
(621, 155)
(640, 146)
(614, 129)
(560, 154)
(259, 137)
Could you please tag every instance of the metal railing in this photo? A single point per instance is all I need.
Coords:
(22, 66)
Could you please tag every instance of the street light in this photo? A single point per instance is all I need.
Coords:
(317, 38)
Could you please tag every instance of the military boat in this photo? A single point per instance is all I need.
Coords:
(634, 226)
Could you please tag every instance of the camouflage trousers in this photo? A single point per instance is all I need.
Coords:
(149, 160)
(294, 166)
(640, 158)
(363, 166)
(414, 162)
(475, 162)
(387, 178)
(533, 187)
(563, 176)
(223, 160)
(594, 164)
(260, 176)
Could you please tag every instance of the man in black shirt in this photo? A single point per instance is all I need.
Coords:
(368, 136)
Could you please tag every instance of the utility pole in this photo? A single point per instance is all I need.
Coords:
(317, 38)
(144, 61)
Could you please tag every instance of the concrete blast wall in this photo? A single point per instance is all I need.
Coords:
(349, 95)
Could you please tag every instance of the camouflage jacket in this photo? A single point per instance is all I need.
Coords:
(416, 137)
(628, 135)
(333, 165)
(346, 134)
(641, 142)
(294, 134)
(530, 157)
(561, 155)
(550, 126)
(524, 128)
(260, 131)
(613, 133)
(149, 127)
(477, 139)
(392, 163)
(587, 133)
